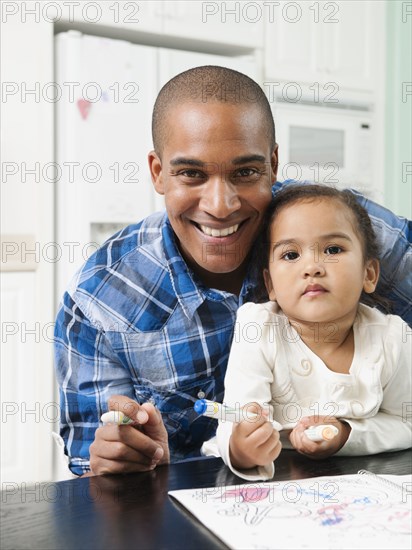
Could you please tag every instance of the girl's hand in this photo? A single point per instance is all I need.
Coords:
(254, 442)
(319, 449)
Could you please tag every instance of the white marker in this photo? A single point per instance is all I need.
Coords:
(212, 409)
(116, 417)
(322, 432)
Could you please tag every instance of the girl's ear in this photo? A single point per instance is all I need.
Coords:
(371, 276)
(268, 285)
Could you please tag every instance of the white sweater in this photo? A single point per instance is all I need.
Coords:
(270, 364)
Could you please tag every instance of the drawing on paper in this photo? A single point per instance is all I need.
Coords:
(343, 511)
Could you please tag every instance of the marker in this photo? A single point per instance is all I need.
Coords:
(116, 417)
(222, 412)
(322, 432)
(212, 409)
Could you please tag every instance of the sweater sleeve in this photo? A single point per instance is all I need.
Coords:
(249, 376)
(390, 429)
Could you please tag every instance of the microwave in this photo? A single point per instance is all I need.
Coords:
(327, 146)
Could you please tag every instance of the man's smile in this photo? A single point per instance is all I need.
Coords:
(216, 232)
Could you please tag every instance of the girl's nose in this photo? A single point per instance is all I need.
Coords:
(314, 269)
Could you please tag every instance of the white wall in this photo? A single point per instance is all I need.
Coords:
(27, 224)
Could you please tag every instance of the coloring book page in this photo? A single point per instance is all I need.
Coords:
(340, 512)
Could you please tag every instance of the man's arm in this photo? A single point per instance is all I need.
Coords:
(91, 379)
(394, 234)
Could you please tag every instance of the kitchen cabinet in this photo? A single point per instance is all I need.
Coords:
(326, 44)
(238, 24)
(28, 411)
(234, 23)
(120, 14)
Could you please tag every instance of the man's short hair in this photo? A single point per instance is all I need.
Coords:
(205, 84)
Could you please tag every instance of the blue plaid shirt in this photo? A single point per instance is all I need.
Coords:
(136, 322)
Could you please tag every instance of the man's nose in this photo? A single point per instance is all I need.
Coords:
(220, 198)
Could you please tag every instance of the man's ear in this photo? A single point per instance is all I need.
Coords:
(371, 276)
(268, 285)
(274, 162)
(155, 167)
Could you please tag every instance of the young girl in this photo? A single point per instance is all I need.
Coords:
(315, 354)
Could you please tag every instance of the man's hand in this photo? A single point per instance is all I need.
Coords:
(130, 448)
(319, 449)
(254, 442)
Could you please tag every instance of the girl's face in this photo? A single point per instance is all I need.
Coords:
(316, 268)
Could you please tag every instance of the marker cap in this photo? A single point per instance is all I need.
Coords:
(200, 406)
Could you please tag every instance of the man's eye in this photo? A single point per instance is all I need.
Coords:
(290, 256)
(246, 173)
(333, 250)
(191, 174)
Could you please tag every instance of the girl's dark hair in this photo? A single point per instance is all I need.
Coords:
(294, 193)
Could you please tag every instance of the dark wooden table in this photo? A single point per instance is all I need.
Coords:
(135, 512)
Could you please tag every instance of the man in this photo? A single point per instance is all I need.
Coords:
(146, 325)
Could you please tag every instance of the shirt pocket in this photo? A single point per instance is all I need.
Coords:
(145, 356)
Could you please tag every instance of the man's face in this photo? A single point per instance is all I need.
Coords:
(216, 171)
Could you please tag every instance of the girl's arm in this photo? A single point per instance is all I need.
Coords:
(249, 448)
(391, 428)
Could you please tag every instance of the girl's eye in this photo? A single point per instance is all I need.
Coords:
(333, 249)
(290, 256)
